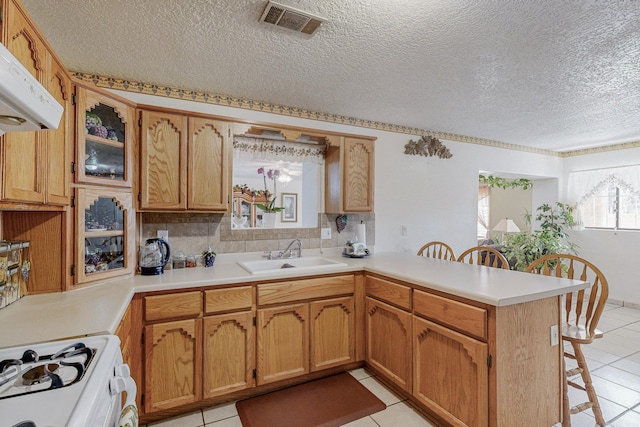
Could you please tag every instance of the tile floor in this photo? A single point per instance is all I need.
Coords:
(614, 361)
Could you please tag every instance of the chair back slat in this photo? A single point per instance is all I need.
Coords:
(436, 249)
(492, 257)
(574, 267)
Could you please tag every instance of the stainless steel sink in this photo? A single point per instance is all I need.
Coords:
(303, 263)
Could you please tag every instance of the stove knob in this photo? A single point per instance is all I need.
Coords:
(117, 385)
(122, 370)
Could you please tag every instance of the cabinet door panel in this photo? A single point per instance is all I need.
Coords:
(388, 345)
(229, 353)
(173, 364)
(58, 155)
(283, 343)
(209, 158)
(163, 154)
(332, 333)
(358, 175)
(22, 180)
(104, 152)
(451, 374)
(104, 253)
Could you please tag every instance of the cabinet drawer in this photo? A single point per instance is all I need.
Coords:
(458, 315)
(273, 293)
(171, 306)
(390, 292)
(221, 300)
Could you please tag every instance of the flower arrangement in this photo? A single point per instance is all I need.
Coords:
(272, 174)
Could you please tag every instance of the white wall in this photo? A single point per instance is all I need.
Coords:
(614, 252)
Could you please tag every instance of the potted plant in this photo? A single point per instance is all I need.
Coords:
(552, 237)
(269, 208)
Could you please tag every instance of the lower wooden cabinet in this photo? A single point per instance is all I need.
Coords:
(450, 374)
(283, 342)
(388, 341)
(229, 353)
(314, 330)
(332, 329)
(173, 360)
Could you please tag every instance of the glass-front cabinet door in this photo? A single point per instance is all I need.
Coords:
(105, 131)
(105, 224)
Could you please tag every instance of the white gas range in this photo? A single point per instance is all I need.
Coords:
(68, 383)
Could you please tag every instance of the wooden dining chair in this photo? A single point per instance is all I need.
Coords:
(579, 323)
(438, 250)
(484, 255)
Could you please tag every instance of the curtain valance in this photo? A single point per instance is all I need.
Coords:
(585, 184)
(269, 149)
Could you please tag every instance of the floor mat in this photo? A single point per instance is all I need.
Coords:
(331, 401)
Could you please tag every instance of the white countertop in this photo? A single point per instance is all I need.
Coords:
(98, 309)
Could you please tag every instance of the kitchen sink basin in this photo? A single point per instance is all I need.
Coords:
(302, 263)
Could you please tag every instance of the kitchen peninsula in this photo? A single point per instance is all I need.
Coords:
(466, 344)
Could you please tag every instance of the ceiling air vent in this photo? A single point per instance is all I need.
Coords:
(291, 18)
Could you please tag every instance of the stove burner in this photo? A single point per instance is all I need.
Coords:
(33, 373)
(39, 374)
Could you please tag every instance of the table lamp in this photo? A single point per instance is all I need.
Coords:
(506, 225)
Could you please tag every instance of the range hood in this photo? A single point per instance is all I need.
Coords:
(25, 104)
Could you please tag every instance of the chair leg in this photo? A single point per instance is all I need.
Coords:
(566, 409)
(588, 384)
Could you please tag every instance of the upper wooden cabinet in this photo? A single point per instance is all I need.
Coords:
(105, 243)
(185, 162)
(59, 143)
(163, 157)
(209, 165)
(36, 165)
(105, 135)
(350, 176)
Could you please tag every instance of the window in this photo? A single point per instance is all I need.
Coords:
(607, 198)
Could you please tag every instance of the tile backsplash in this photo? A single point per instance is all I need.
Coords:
(192, 233)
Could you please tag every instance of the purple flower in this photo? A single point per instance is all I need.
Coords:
(261, 171)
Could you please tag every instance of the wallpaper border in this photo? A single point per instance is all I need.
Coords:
(247, 104)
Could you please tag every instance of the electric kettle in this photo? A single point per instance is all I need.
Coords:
(154, 255)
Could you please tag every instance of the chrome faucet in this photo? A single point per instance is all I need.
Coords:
(299, 249)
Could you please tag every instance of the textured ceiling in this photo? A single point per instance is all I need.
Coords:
(554, 75)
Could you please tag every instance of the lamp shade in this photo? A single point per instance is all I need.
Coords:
(506, 225)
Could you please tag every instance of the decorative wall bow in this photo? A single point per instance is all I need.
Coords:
(427, 146)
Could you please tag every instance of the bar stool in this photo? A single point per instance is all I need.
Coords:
(580, 322)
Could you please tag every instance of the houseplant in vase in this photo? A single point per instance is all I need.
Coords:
(552, 237)
(269, 208)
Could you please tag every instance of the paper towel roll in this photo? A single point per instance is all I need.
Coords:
(361, 233)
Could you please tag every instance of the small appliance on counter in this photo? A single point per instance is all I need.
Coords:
(154, 255)
(355, 250)
(358, 247)
(14, 271)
